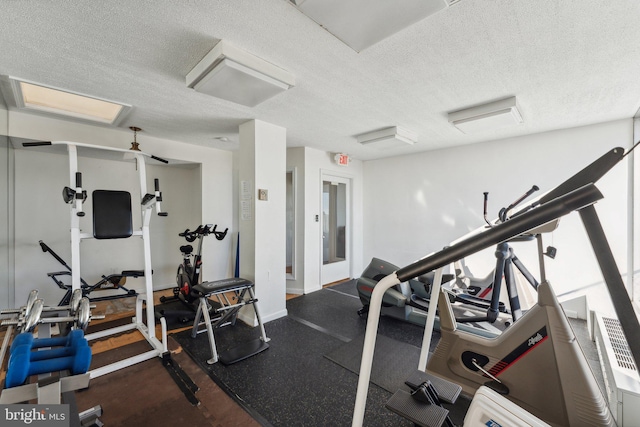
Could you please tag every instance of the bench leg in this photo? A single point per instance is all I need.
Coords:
(202, 309)
(196, 321)
(255, 308)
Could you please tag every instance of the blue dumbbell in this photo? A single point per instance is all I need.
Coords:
(54, 353)
(21, 366)
(27, 338)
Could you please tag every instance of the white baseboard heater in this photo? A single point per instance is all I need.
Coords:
(621, 377)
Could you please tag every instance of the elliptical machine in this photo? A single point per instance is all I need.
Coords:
(478, 299)
(485, 292)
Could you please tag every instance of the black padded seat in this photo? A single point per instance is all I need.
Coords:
(132, 273)
(224, 285)
(112, 214)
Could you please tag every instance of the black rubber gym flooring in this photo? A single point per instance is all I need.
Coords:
(295, 383)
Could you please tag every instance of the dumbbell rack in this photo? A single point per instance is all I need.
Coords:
(144, 300)
(49, 390)
(46, 391)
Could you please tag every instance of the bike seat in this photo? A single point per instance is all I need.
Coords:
(186, 249)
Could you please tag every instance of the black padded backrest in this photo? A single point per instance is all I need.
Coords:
(112, 214)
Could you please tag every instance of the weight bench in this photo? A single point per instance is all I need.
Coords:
(225, 314)
(112, 281)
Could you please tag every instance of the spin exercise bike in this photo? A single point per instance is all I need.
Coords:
(536, 363)
(188, 273)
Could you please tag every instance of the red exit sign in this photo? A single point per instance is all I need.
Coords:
(342, 159)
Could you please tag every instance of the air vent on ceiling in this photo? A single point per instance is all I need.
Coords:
(230, 73)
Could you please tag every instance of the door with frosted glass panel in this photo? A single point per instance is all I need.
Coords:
(335, 229)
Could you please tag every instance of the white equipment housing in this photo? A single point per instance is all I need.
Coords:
(488, 408)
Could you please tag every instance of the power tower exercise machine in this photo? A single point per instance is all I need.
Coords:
(112, 219)
(537, 363)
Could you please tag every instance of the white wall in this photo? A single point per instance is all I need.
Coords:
(310, 164)
(6, 214)
(418, 204)
(196, 189)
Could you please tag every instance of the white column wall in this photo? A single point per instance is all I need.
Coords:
(418, 204)
(200, 190)
(262, 164)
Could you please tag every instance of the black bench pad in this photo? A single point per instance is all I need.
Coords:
(224, 285)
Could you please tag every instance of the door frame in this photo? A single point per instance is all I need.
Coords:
(328, 175)
(294, 223)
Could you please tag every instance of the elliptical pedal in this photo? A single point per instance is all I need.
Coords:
(447, 391)
(420, 413)
(423, 405)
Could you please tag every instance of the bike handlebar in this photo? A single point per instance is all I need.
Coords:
(219, 234)
(203, 230)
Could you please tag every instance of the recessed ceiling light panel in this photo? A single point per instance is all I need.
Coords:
(40, 98)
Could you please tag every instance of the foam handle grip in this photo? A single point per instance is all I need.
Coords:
(159, 159)
(486, 201)
(36, 144)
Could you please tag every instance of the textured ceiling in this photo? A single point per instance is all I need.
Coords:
(569, 62)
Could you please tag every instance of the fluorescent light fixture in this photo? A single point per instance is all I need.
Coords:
(388, 138)
(39, 98)
(487, 117)
(230, 73)
(362, 23)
